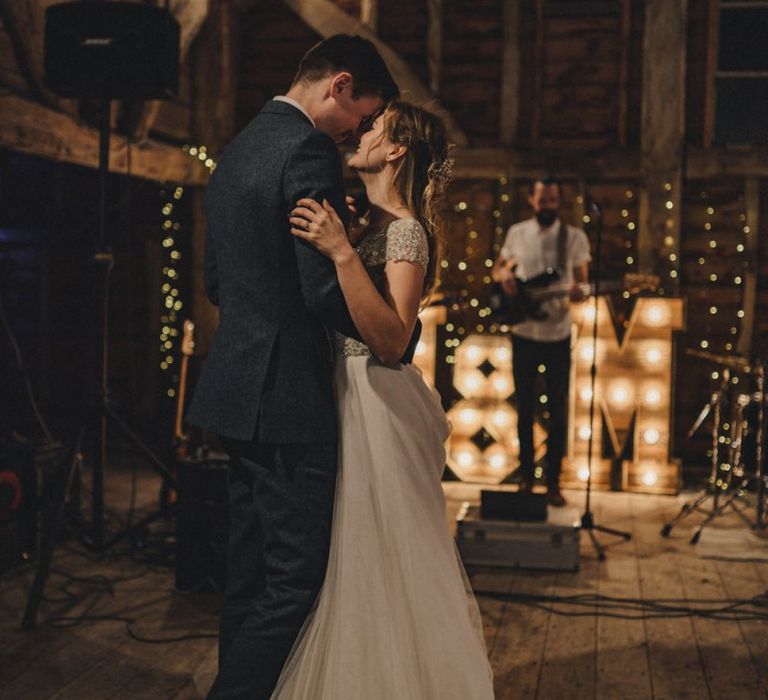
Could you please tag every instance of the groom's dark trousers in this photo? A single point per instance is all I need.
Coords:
(266, 387)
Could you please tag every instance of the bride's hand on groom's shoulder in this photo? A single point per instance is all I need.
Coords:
(320, 225)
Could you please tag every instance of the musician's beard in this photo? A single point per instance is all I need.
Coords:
(546, 217)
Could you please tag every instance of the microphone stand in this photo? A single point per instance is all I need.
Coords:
(587, 519)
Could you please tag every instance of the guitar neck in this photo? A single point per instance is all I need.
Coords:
(181, 399)
(559, 290)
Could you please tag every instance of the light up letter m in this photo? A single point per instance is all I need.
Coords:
(633, 395)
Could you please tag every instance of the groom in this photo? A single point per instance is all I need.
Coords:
(266, 388)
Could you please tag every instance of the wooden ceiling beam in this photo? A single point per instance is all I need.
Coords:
(616, 164)
(29, 127)
(491, 163)
(369, 14)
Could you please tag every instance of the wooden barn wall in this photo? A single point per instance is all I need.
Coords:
(697, 66)
(273, 40)
(403, 26)
(470, 82)
(580, 80)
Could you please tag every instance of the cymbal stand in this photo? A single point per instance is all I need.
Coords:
(760, 479)
(761, 509)
(714, 485)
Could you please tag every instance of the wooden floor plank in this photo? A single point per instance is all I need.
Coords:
(168, 674)
(742, 581)
(518, 653)
(724, 652)
(491, 609)
(674, 660)
(569, 662)
(534, 653)
(622, 655)
(58, 667)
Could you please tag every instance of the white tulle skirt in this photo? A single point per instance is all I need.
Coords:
(396, 618)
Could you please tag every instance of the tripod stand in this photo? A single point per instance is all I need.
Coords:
(587, 519)
(102, 412)
(721, 489)
(713, 488)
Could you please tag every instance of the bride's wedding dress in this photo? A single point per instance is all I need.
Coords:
(396, 619)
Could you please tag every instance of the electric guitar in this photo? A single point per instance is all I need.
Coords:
(180, 445)
(181, 439)
(532, 293)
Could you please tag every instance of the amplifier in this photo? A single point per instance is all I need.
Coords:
(202, 524)
(513, 505)
(552, 545)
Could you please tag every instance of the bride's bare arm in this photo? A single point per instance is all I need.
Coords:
(385, 322)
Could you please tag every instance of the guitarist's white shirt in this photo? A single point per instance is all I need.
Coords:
(534, 249)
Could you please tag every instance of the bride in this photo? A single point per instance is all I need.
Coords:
(396, 617)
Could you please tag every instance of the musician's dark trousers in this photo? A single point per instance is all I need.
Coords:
(281, 508)
(527, 355)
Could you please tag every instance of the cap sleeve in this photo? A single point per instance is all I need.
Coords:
(407, 240)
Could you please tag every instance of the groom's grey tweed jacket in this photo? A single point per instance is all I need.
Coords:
(268, 375)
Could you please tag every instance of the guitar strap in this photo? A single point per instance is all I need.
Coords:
(562, 244)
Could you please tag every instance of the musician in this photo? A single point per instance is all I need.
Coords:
(534, 246)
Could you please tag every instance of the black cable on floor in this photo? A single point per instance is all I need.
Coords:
(643, 609)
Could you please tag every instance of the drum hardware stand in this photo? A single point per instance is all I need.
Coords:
(587, 518)
(761, 441)
(712, 489)
(757, 476)
(717, 485)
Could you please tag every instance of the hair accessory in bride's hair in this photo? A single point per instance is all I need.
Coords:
(444, 171)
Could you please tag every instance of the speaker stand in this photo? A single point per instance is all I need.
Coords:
(102, 414)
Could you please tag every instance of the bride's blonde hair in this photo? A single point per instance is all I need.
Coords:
(422, 174)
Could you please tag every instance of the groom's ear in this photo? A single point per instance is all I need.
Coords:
(341, 82)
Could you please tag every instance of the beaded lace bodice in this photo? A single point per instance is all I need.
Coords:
(403, 239)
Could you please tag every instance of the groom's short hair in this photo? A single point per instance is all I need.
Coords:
(355, 55)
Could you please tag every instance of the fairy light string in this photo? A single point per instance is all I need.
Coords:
(172, 303)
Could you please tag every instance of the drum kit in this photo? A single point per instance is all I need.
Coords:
(738, 480)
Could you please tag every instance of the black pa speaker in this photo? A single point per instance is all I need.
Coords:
(116, 50)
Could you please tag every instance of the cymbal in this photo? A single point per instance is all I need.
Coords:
(734, 362)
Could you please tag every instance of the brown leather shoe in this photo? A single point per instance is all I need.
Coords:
(555, 498)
